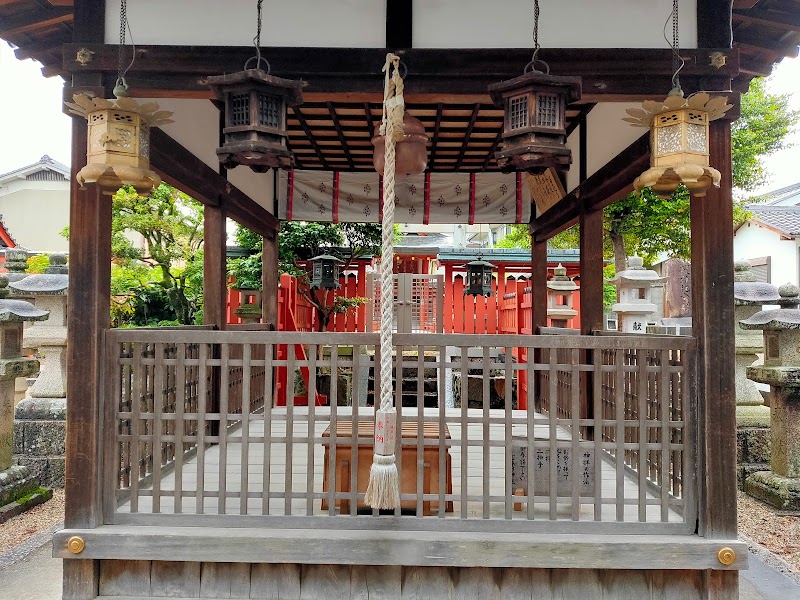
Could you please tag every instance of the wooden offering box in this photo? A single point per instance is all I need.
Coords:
(408, 468)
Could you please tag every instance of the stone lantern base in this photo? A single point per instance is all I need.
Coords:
(40, 429)
(19, 490)
(780, 492)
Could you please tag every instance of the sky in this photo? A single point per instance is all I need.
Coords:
(32, 123)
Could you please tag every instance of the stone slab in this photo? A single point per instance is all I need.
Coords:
(753, 445)
(12, 509)
(781, 492)
(15, 482)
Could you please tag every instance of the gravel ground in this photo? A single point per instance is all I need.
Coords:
(777, 531)
(40, 518)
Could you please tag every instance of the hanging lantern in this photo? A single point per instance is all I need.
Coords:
(534, 128)
(255, 118)
(479, 278)
(325, 272)
(678, 142)
(118, 142)
(411, 151)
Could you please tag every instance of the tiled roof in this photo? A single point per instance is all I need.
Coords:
(790, 192)
(45, 164)
(785, 219)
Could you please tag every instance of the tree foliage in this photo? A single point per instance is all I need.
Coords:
(161, 281)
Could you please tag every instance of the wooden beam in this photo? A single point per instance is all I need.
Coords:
(214, 267)
(435, 137)
(340, 132)
(492, 150)
(399, 23)
(538, 286)
(607, 73)
(610, 183)
(304, 124)
(714, 23)
(591, 291)
(467, 134)
(787, 21)
(184, 171)
(34, 20)
(764, 43)
(269, 281)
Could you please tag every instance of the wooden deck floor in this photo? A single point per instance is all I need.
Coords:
(231, 469)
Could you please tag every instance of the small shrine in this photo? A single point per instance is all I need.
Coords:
(780, 486)
(634, 290)
(560, 289)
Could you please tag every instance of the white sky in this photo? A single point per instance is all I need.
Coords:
(32, 123)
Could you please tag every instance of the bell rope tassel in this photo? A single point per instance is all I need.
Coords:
(383, 490)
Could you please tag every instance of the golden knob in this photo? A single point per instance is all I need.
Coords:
(726, 556)
(75, 544)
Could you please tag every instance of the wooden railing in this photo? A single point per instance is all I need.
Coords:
(471, 457)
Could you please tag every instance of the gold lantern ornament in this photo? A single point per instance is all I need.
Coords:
(678, 142)
(118, 143)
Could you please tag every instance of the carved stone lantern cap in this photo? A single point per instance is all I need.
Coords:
(781, 319)
(747, 291)
(560, 281)
(327, 257)
(17, 311)
(636, 273)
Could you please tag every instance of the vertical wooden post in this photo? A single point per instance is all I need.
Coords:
(591, 240)
(538, 285)
(214, 269)
(712, 316)
(87, 320)
(269, 280)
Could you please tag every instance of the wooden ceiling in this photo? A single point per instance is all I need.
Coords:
(463, 137)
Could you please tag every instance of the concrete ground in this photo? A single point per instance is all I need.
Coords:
(38, 577)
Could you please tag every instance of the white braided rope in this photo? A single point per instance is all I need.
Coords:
(383, 490)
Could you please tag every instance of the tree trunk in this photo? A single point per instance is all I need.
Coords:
(618, 244)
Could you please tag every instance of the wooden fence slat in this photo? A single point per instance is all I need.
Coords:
(202, 393)
(464, 441)
(486, 370)
(311, 426)
(508, 437)
(642, 379)
(223, 428)
(288, 489)
(266, 473)
(244, 484)
(575, 409)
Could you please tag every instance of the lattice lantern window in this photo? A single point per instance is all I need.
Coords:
(479, 278)
(325, 272)
(118, 147)
(534, 129)
(679, 151)
(255, 105)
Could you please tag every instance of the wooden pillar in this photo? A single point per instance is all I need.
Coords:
(591, 241)
(269, 281)
(538, 285)
(214, 268)
(712, 318)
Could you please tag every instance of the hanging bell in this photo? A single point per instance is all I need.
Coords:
(411, 156)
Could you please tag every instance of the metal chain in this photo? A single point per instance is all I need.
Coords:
(257, 39)
(123, 26)
(676, 57)
(535, 31)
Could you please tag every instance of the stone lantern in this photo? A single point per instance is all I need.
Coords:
(749, 296)
(479, 278)
(325, 272)
(678, 142)
(534, 128)
(118, 143)
(634, 285)
(14, 481)
(255, 118)
(559, 298)
(780, 486)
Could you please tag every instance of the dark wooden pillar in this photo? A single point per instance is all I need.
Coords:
(269, 280)
(214, 268)
(591, 241)
(712, 325)
(538, 285)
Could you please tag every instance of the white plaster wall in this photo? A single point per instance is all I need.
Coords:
(324, 23)
(562, 24)
(753, 241)
(196, 127)
(259, 186)
(608, 134)
(35, 217)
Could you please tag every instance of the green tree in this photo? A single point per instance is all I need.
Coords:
(171, 225)
(299, 240)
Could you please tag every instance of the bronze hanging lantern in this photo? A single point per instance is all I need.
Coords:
(325, 272)
(411, 151)
(534, 127)
(255, 105)
(479, 278)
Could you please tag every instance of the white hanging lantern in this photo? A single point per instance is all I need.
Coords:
(118, 143)
(679, 152)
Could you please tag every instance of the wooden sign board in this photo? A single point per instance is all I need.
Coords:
(546, 190)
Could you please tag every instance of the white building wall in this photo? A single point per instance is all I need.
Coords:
(437, 23)
(754, 241)
(36, 216)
